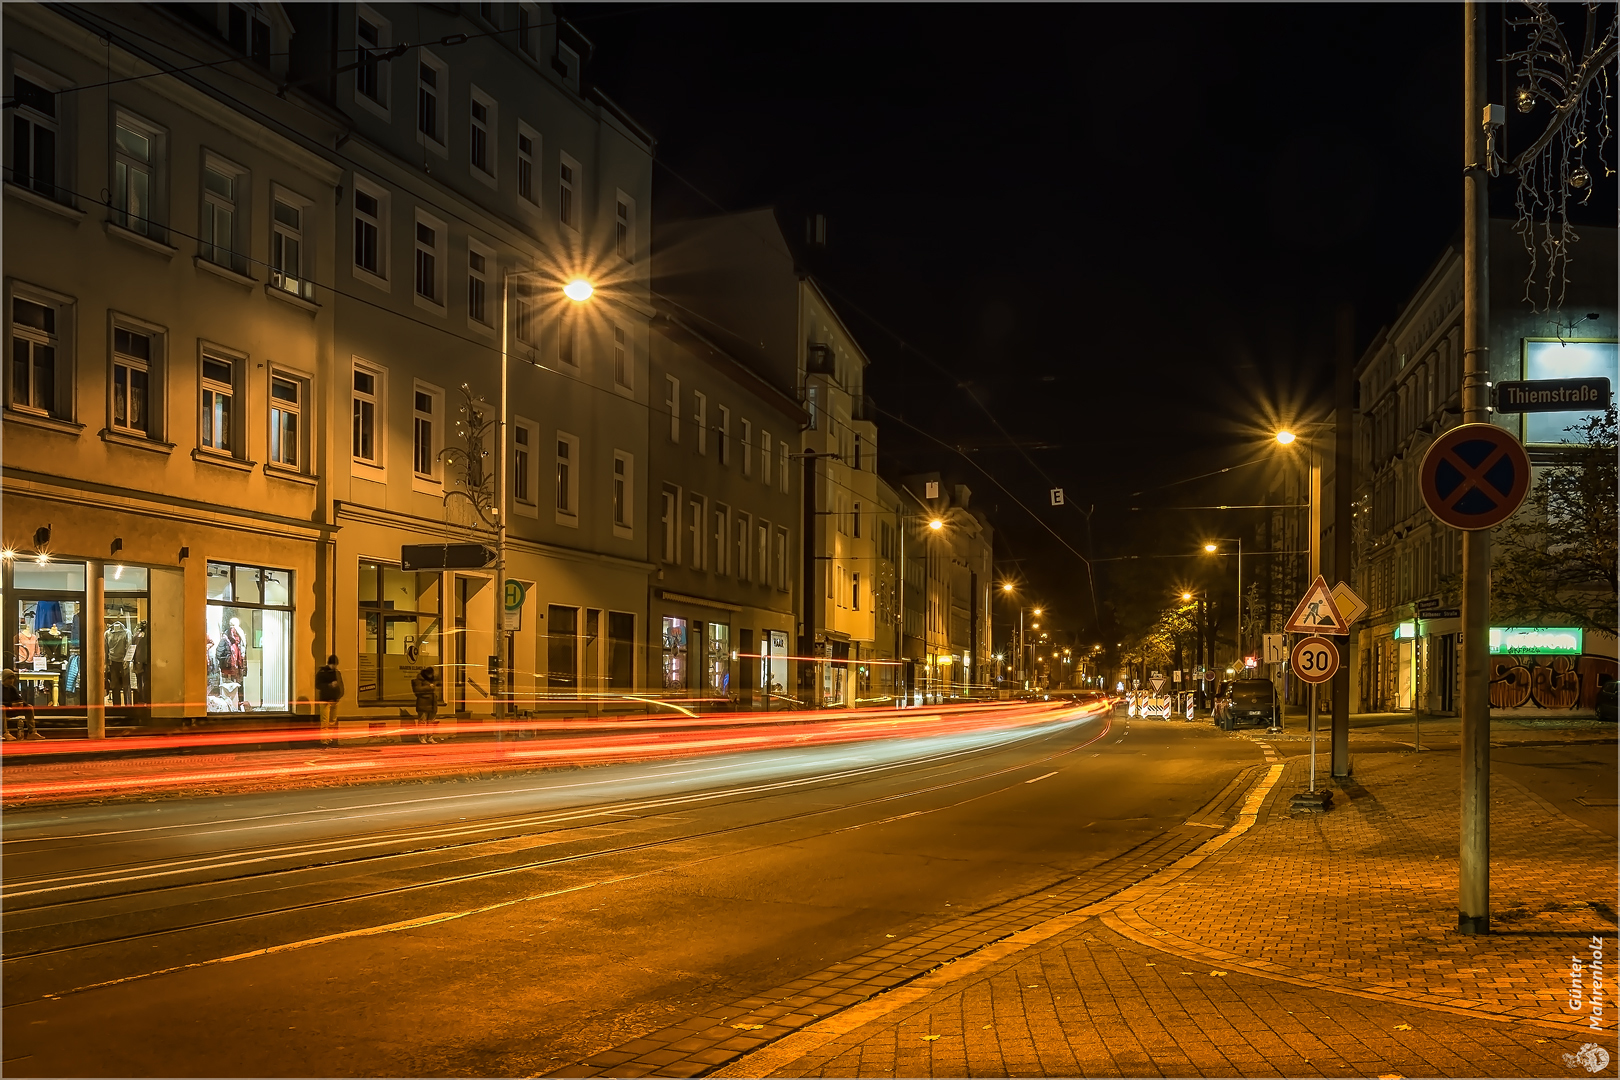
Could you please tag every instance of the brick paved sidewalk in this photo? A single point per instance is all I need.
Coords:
(1309, 945)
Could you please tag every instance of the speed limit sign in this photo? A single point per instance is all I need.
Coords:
(1315, 659)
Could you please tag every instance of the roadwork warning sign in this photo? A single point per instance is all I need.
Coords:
(1316, 613)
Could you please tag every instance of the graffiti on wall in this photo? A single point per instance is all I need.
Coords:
(1548, 682)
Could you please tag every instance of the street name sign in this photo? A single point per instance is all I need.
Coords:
(1440, 613)
(444, 556)
(1351, 606)
(1315, 659)
(1474, 476)
(1316, 613)
(1553, 395)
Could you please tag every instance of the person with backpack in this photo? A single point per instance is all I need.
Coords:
(426, 688)
(328, 692)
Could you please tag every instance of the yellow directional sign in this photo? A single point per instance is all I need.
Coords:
(1316, 613)
(1351, 606)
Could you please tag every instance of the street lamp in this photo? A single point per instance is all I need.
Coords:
(1313, 498)
(1214, 546)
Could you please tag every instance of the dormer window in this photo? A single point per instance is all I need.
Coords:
(247, 30)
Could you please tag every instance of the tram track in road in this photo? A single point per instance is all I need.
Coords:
(81, 911)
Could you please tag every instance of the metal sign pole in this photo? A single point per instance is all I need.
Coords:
(1313, 736)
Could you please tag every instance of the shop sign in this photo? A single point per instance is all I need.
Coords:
(1536, 640)
(1406, 630)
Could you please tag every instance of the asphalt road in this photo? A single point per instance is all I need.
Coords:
(511, 926)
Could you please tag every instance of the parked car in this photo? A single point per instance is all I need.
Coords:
(1606, 700)
(1247, 703)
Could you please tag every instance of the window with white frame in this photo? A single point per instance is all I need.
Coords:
(480, 304)
(779, 565)
(700, 420)
(525, 442)
(429, 263)
(528, 157)
(672, 402)
(725, 435)
(366, 414)
(432, 84)
(568, 188)
(137, 159)
(218, 400)
(370, 229)
(425, 432)
(289, 253)
(746, 444)
(568, 466)
(624, 226)
(36, 134)
(762, 551)
(287, 395)
(222, 185)
(855, 591)
(528, 30)
(743, 530)
(525, 325)
(371, 38)
(855, 520)
(695, 506)
(782, 467)
(39, 381)
(134, 377)
(481, 133)
(722, 539)
(670, 519)
(567, 337)
(624, 492)
(621, 358)
(765, 457)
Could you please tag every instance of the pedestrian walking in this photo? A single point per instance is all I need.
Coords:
(329, 691)
(13, 703)
(426, 688)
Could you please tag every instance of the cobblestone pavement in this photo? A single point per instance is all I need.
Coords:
(1307, 945)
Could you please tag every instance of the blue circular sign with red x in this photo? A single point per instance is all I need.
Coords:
(1474, 476)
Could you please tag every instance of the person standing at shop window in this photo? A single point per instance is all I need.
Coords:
(329, 691)
(426, 689)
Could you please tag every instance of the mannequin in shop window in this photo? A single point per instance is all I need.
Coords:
(231, 652)
(141, 668)
(117, 669)
(27, 643)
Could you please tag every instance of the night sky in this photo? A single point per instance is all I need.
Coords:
(1091, 246)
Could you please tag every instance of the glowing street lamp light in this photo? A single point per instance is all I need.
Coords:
(1285, 437)
(936, 524)
(579, 290)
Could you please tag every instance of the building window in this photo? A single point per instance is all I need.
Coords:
(857, 455)
(35, 347)
(247, 30)
(528, 153)
(725, 435)
(367, 397)
(218, 397)
(765, 457)
(132, 380)
(428, 237)
(855, 591)
(780, 563)
(670, 519)
(220, 216)
(286, 430)
(431, 82)
(782, 467)
(478, 285)
(523, 440)
(135, 164)
(479, 140)
(722, 538)
(528, 20)
(287, 252)
(700, 420)
(621, 358)
(34, 136)
(694, 529)
(567, 182)
(568, 463)
(674, 653)
(741, 542)
(747, 443)
(370, 231)
(624, 216)
(762, 552)
(624, 480)
(567, 332)
(423, 449)
(672, 401)
(370, 78)
(855, 519)
(249, 622)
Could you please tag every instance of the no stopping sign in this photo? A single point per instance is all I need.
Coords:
(1314, 659)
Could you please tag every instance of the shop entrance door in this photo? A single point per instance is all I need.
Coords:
(1405, 673)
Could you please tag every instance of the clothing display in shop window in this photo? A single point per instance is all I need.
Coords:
(75, 667)
(117, 649)
(27, 644)
(142, 652)
(232, 653)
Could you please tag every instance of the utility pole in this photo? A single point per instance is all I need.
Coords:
(810, 534)
(1343, 487)
(1474, 868)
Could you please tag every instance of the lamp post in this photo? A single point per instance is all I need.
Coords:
(1313, 500)
(1214, 547)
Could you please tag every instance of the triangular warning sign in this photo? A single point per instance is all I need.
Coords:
(1316, 613)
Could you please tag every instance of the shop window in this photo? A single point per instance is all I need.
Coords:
(38, 359)
(218, 398)
(44, 613)
(773, 666)
(400, 620)
(621, 660)
(250, 636)
(126, 638)
(674, 653)
(562, 648)
(718, 673)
